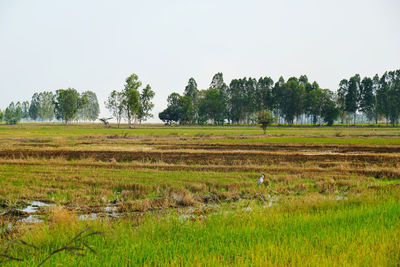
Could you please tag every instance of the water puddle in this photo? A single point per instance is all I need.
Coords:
(32, 219)
(109, 211)
(35, 205)
(88, 217)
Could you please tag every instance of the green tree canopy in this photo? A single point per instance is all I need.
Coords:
(131, 100)
(115, 104)
(67, 103)
(13, 113)
(145, 103)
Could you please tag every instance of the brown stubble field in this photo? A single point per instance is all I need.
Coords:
(84, 172)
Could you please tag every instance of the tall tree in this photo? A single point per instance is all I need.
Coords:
(1, 116)
(185, 110)
(341, 99)
(393, 81)
(91, 110)
(367, 99)
(352, 96)
(314, 100)
(383, 97)
(279, 99)
(25, 110)
(145, 103)
(264, 98)
(250, 104)
(212, 105)
(375, 88)
(218, 83)
(192, 92)
(132, 98)
(46, 106)
(292, 99)
(12, 114)
(237, 100)
(34, 107)
(67, 103)
(115, 105)
(330, 111)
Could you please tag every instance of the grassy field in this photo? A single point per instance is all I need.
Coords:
(188, 196)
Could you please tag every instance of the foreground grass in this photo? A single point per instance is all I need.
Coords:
(363, 231)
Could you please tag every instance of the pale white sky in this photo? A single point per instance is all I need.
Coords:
(95, 45)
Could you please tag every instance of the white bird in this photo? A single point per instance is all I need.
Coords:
(261, 179)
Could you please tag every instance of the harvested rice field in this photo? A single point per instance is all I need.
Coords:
(159, 196)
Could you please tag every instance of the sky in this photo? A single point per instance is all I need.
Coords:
(47, 45)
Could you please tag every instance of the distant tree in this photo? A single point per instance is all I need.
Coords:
(192, 92)
(218, 83)
(367, 98)
(212, 106)
(91, 110)
(145, 103)
(341, 98)
(179, 109)
(278, 96)
(132, 98)
(393, 83)
(25, 110)
(8, 115)
(12, 114)
(329, 110)
(34, 107)
(1, 116)
(114, 104)
(264, 98)
(237, 100)
(166, 116)
(185, 110)
(314, 100)
(292, 102)
(352, 96)
(46, 106)
(173, 110)
(67, 103)
(265, 118)
(375, 89)
(250, 104)
(383, 97)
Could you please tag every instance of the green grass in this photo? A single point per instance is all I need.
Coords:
(350, 233)
(60, 130)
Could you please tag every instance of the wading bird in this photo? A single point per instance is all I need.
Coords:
(261, 179)
(105, 121)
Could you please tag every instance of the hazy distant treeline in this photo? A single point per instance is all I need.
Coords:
(68, 105)
(65, 105)
(295, 100)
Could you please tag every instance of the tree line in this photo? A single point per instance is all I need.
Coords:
(296, 100)
(69, 105)
(65, 105)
